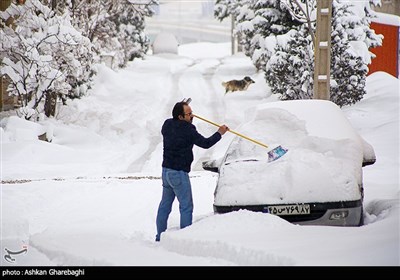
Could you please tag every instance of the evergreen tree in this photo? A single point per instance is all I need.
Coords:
(255, 20)
(349, 70)
(226, 8)
(271, 18)
(289, 70)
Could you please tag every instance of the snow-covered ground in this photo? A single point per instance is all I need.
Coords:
(90, 196)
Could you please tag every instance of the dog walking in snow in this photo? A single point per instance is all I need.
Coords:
(235, 85)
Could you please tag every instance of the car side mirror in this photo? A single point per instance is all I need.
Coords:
(369, 153)
(368, 162)
(211, 165)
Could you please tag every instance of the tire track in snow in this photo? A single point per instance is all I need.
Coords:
(155, 146)
(197, 82)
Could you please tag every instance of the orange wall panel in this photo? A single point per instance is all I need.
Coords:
(387, 55)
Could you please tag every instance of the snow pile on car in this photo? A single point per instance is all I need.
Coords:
(323, 162)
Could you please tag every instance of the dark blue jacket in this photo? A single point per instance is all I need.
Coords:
(178, 139)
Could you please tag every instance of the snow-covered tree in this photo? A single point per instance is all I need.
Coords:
(129, 22)
(114, 27)
(267, 18)
(254, 21)
(226, 8)
(351, 38)
(347, 69)
(303, 12)
(44, 56)
(289, 69)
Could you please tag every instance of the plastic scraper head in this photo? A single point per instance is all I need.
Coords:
(276, 153)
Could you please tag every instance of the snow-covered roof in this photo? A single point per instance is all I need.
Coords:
(388, 19)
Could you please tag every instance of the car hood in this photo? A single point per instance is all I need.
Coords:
(323, 162)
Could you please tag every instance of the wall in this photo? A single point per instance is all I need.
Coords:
(387, 55)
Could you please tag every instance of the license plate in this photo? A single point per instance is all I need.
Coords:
(295, 209)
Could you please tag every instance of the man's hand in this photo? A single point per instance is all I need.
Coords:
(222, 129)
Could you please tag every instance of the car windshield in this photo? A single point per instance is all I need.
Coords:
(279, 126)
(242, 150)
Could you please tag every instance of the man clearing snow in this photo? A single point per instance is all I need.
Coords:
(179, 136)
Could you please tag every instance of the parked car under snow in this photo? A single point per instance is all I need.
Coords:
(317, 182)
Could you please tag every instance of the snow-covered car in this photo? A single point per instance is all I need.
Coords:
(317, 182)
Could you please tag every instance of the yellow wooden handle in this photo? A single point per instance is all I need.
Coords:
(234, 132)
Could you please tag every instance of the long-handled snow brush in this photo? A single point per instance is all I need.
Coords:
(273, 154)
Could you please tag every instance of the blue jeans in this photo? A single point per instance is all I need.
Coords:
(175, 183)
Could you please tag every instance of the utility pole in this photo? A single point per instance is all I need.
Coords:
(322, 60)
(233, 41)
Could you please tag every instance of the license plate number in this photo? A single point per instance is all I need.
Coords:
(296, 209)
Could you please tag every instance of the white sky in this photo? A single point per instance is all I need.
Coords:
(92, 194)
